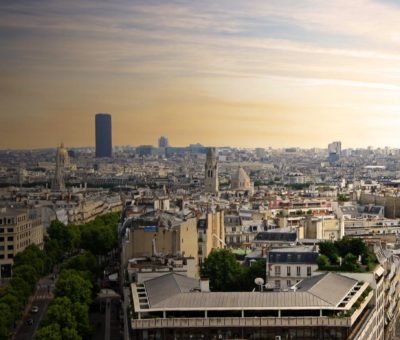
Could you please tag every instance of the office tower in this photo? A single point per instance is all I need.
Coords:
(211, 171)
(163, 142)
(62, 159)
(103, 135)
(334, 151)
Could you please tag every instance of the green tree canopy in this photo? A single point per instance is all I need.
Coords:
(49, 332)
(224, 272)
(75, 286)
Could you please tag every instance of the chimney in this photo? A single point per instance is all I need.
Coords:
(205, 285)
(263, 251)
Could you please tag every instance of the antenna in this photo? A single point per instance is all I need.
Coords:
(259, 281)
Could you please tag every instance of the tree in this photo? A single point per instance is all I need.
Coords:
(81, 313)
(67, 237)
(32, 256)
(350, 263)
(20, 287)
(256, 269)
(6, 320)
(75, 286)
(223, 271)
(70, 334)
(329, 249)
(98, 239)
(15, 302)
(323, 262)
(60, 313)
(28, 274)
(49, 332)
(85, 261)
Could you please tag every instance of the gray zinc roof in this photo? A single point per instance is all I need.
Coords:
(330, 287)
(241, 300)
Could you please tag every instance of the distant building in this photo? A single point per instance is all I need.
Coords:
(62, 160)
(334, 151)
(103, 135)
(163, 142)
(145, 150)
(19, 228)
(241, 181)
(211, 172)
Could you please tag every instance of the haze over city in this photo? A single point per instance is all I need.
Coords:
(239, 73)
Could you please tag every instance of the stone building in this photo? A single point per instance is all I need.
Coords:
(19, 228)
(211, 172)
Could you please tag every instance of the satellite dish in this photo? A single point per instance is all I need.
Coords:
(259, 281)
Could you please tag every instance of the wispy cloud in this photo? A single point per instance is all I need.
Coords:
(270, 60)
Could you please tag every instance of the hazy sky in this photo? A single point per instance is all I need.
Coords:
(241, 73)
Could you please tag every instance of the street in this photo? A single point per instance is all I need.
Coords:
(41, 299)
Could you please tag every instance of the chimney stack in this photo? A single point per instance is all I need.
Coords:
(205, 285)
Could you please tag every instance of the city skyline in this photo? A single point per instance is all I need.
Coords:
(256, 74)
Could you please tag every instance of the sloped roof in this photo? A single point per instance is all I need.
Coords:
(165, 286)
(175, 292)
(330, 287)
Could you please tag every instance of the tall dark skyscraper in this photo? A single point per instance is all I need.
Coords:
(103, 135)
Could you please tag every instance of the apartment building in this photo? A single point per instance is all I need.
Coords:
(18, 229)
(288, 266)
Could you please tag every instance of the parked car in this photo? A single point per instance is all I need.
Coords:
(29, 322)
(35, 309)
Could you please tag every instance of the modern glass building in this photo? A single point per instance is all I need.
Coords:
(103, 135)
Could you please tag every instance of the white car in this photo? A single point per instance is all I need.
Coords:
(35, 309)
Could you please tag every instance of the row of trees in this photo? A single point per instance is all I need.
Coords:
(29, 265)
(68, 314)
(97, 237)
(347, 254)
(226, 274)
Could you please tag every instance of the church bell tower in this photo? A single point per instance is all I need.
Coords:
(211, 172)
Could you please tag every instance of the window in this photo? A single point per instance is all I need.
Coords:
(1, 238)
(277, 284)
(10, 247)
(10, 238)
(289, 283)
(288, 271)
(10, 230)
(233, 229)
(10, 256)
(308, 271)
(298, 270)
(277, 270)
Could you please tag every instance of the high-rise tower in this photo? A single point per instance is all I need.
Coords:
(163, 142)
(211, 172)
(58, 183)
(103, 135)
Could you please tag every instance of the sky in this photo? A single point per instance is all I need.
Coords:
(268, 73)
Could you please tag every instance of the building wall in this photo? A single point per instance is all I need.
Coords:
(181, 239)
(391, 204)
(17, 231)
(322, 229)
(287, 275)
